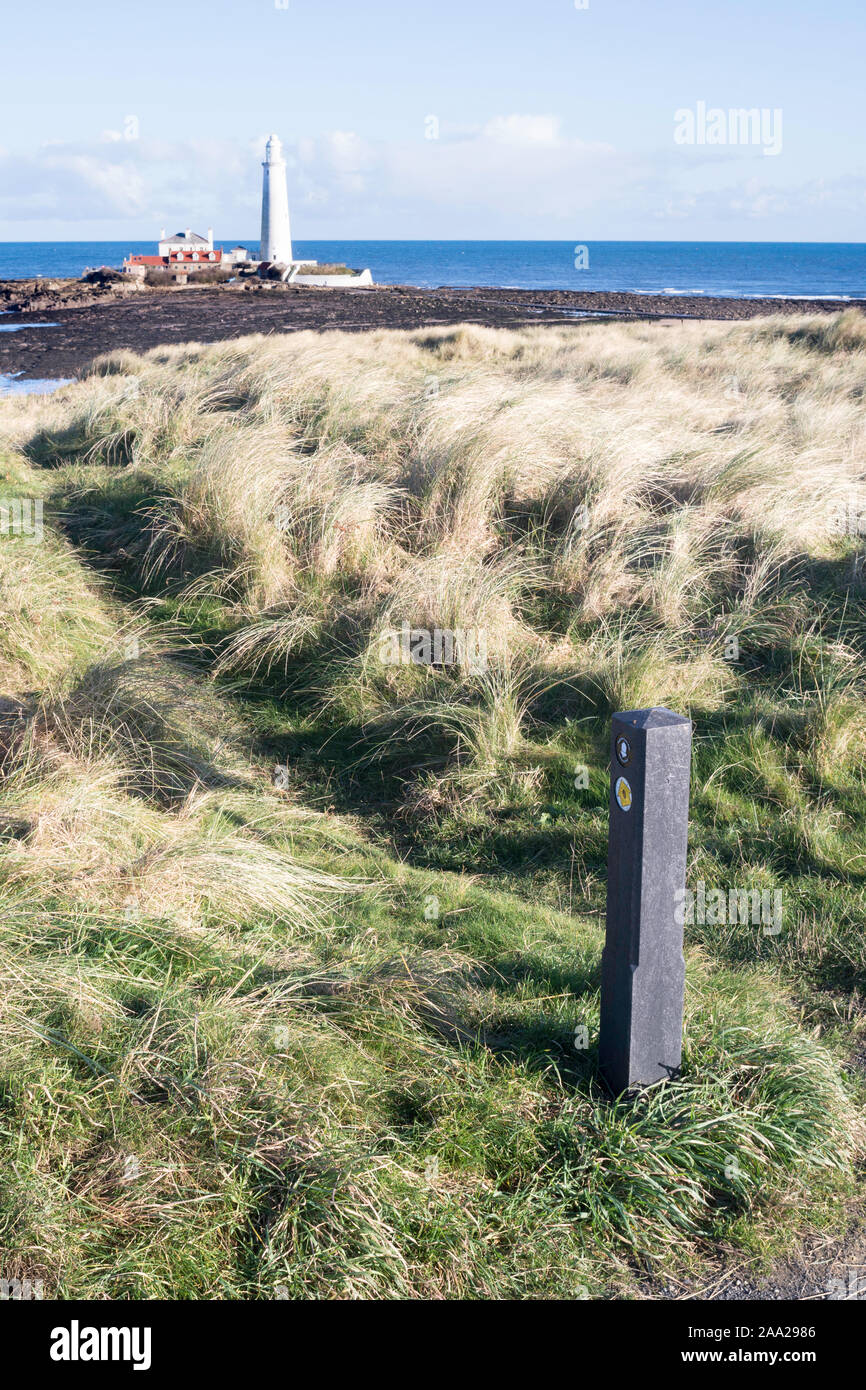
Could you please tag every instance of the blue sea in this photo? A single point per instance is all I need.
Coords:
(745, 269)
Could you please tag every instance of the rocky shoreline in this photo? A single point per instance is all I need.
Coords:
(108, 312)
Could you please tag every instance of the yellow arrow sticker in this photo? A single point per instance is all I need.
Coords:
(622, 792)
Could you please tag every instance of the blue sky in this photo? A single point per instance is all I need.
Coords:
(551, 121)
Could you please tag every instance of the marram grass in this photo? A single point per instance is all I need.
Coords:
(300, 949)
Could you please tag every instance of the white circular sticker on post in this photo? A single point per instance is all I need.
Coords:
(622, 792)
(623, 750)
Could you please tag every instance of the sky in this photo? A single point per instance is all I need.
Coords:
(573, 120)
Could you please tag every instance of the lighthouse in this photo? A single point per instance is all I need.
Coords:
(276, 235)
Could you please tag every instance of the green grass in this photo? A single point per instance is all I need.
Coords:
(327, 268)
(300, 950)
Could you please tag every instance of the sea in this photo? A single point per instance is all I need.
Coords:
(737, 269)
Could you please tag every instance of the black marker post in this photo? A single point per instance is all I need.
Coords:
(643, 972)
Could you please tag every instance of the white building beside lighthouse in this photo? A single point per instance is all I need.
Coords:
(188, 251)
(187, 242)
(276, 241)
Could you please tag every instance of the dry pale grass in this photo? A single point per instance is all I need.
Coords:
(122, 776)
(434, 440)
(646, 484)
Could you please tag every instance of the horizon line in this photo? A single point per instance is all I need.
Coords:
(486, 241)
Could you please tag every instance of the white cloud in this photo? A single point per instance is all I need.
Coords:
(346, 151)
(524, 130)
(753, 200)
(517, 175)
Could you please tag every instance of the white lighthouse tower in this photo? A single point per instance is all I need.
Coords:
(276, 233)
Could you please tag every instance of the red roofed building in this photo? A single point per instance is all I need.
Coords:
(186, 258)
(186, 250)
